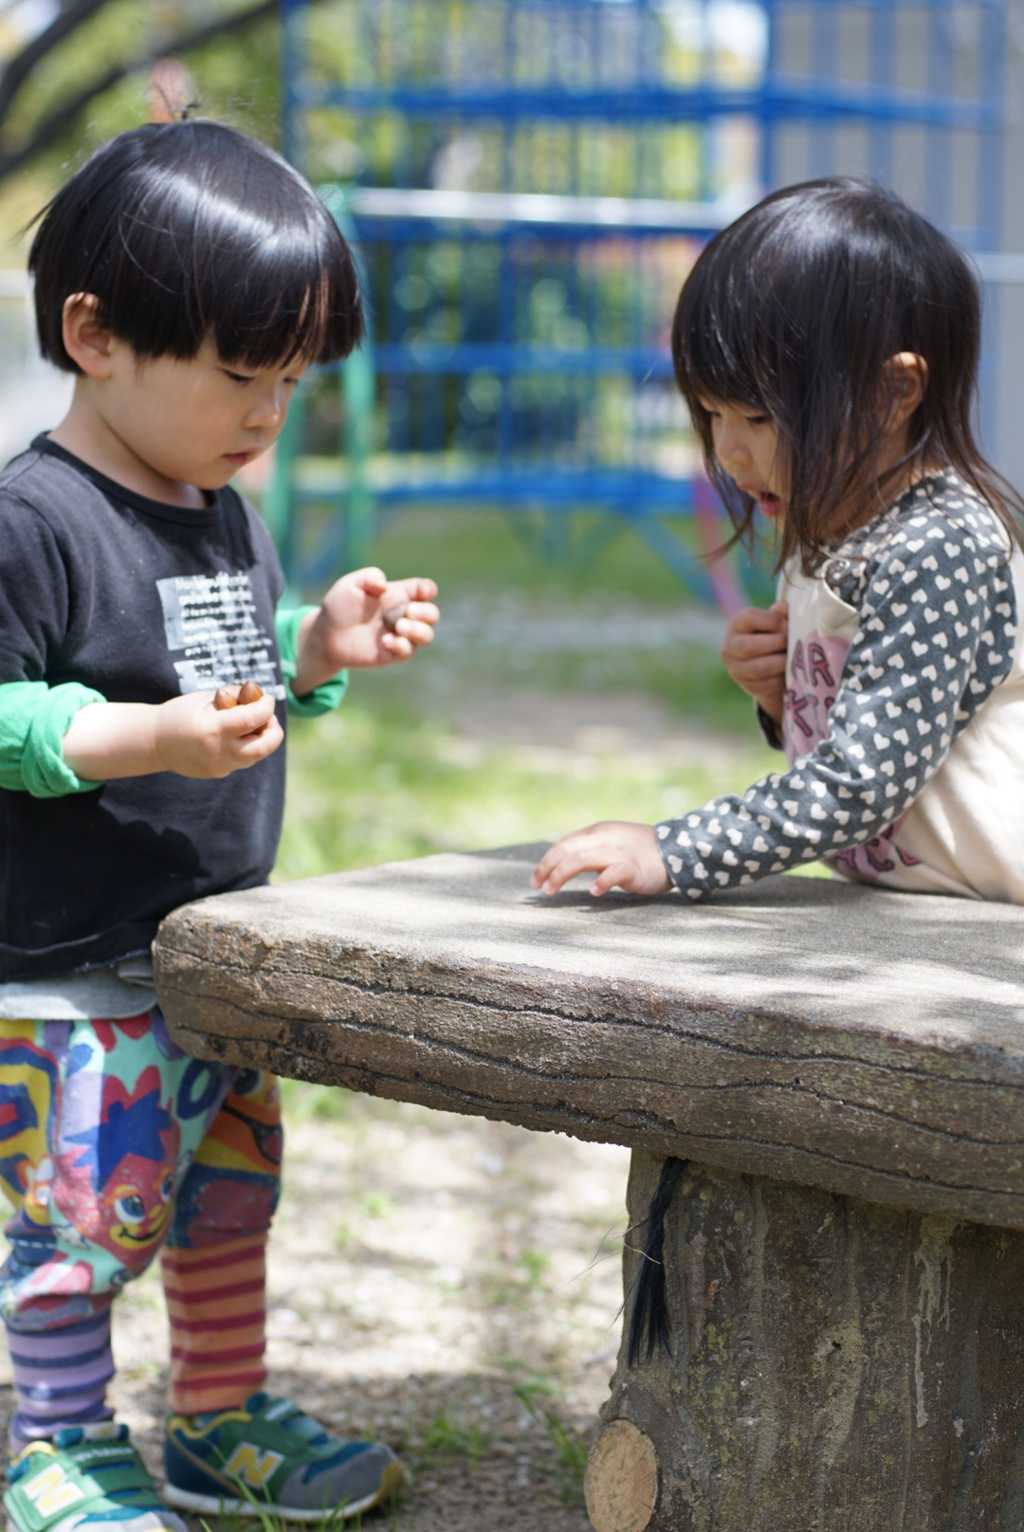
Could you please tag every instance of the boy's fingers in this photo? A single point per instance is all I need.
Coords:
(415, 632)
(248, 718)
(419, 589)
(422, 611)
(256, 746)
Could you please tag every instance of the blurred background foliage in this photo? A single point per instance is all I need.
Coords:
(559, 690)
(231, 46)
(75, 72)
(551, 698)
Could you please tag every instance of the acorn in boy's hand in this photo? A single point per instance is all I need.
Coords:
(247, 692)
(394, 614)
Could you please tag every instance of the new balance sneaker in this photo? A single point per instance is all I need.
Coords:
(270, 1455)
(85, 1479)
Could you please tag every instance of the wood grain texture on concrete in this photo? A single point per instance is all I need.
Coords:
(836, 1366)
(855, 1040)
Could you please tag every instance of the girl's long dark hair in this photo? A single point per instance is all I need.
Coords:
(794, 311)
(188, 231)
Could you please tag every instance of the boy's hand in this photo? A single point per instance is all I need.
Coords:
(187, 735)
(350, 631)
(195, 739)
(624, 856)
(754, 652)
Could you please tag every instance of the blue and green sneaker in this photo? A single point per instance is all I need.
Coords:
(85, 1479)
(271, 1456)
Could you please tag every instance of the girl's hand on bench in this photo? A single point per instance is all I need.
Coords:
(754, 653)
(623, 855)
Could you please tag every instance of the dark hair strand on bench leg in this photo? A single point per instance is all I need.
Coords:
(649, 1325)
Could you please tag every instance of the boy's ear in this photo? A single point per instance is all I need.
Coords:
(906, 378)
(88, 343)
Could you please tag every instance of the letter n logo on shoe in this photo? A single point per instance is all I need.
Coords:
(251, 1465)
(52, 1491)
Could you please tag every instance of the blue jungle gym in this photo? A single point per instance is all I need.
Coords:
(527, 182)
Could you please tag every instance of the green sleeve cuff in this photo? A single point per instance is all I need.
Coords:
(34, 719)
(322, 699)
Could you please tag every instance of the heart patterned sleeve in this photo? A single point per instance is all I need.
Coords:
(937, 629)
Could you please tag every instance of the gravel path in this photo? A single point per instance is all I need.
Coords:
(448, 1284)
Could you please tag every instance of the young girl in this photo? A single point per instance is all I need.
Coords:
(187, 277)
(827, 347)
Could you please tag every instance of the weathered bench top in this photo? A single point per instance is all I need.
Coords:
(866, 1042)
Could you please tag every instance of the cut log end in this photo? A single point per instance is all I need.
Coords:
(621, 1483)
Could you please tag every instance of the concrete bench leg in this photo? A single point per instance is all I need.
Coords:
(838, 1366)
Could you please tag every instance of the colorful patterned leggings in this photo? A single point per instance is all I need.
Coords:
(113, 1144)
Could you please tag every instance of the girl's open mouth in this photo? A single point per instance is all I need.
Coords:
(767, 503)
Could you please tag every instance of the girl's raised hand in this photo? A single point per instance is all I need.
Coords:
(364, 620)
(623, 855)
(754, 652)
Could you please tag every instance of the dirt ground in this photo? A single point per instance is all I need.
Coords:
(446, 1284)
(443, 1283)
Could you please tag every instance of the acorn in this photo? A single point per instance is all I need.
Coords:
(249, 691)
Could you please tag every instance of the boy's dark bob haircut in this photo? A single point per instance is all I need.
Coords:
(793, 312)
(188, 231)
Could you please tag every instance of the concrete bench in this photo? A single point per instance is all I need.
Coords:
(840, 1072)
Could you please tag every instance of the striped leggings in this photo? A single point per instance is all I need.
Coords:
(115, 1145)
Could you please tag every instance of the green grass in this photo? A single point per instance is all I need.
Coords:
(309, 1102)
(369, 786)
(571, 1448)
(484, 550)
(407, 768)
(689, 680)
(447, 1439)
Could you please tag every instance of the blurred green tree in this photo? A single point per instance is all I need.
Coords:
(59, 57)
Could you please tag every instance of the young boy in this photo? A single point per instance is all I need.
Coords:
(187, 276)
